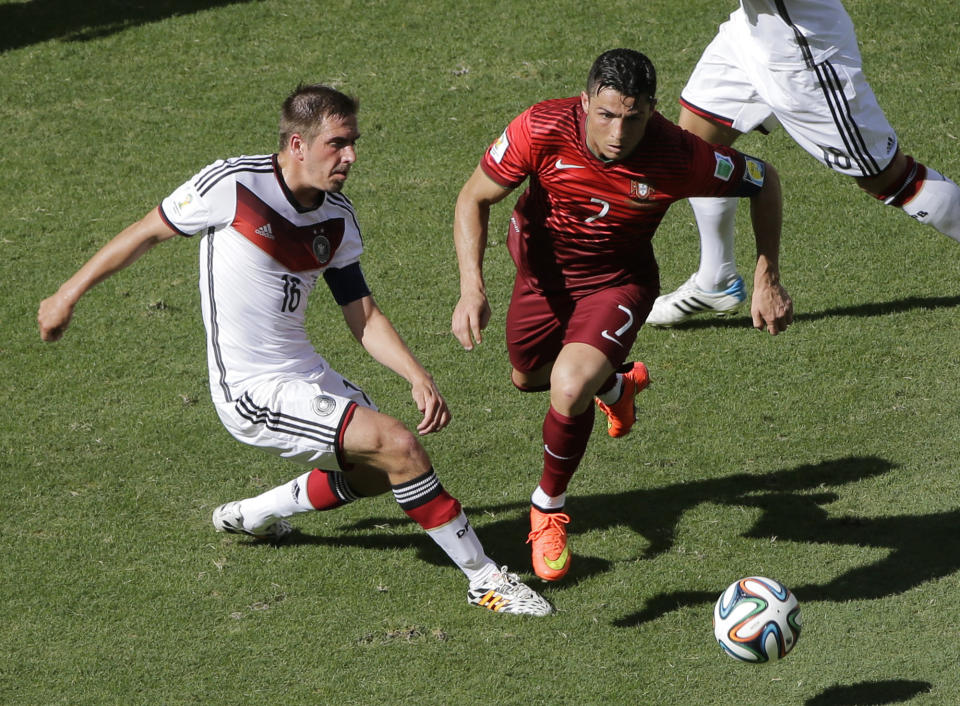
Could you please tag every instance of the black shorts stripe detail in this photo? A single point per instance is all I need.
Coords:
(801, 40)
(277, 421)
(837, 102)
(214, 326)
(419, 491)
(844, 120)
(706, 114)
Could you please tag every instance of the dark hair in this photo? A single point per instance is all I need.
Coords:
(305, 109)
(624, 70)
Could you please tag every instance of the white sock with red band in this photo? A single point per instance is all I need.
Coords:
(440, 515)
(937, 204)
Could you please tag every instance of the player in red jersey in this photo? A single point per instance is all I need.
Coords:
(603, 168)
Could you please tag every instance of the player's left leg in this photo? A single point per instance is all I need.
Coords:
(715, 216)
(265, 515)
(921, 192)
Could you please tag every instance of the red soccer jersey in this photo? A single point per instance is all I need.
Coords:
(584, 223)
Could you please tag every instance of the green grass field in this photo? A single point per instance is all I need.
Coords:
(825, 457)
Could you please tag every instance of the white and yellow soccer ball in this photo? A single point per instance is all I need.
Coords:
(757, 619)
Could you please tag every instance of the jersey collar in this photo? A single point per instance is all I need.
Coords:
(291, 199)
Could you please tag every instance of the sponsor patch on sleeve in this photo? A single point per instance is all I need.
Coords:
(499, 148)
(724, 167)
(754, 172)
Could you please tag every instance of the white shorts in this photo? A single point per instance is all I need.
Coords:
(296, 416)
(829, 110)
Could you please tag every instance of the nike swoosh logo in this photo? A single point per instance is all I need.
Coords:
(562, 165)
(606, 334)
(557, 456)
(559, 562)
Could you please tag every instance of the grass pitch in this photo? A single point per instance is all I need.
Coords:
(824, 457)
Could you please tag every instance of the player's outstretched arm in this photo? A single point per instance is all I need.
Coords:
(470, 222)
(55, 312)
(380, 339)
(771, 306)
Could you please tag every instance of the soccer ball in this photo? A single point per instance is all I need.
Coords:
(756, 620)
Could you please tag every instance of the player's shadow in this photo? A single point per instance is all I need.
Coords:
(919, 548)
(26, 23)
(897, 306)
(870, 693)
(790, 504)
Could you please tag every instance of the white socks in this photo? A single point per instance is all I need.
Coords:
(283, 501)
(716, 218)
(462, 545)
(546, 502)
(937, 204)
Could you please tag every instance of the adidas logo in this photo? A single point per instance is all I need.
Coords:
(265, 231)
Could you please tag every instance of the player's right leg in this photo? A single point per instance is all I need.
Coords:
(576, 347)
(299, 418)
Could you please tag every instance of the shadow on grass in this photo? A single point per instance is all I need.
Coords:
(790, 502)
(870, 693)
(27, 23)
(915, 543)
(898, 306)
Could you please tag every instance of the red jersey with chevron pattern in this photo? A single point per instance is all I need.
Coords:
(583, 223)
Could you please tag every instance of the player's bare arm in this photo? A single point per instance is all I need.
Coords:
(471, 220)
(771, 306)
(123, 250)
(380, 339)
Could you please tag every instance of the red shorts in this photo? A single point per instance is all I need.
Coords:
(539, 325)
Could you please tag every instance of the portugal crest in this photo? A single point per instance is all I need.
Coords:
(639, 190)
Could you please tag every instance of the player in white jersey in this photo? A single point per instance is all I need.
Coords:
(270, 227)
(793, 63)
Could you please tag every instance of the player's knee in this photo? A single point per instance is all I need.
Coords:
(569, 394)
(400, 452)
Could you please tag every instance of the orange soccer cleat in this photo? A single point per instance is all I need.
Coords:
(548, 534)
(623, 413)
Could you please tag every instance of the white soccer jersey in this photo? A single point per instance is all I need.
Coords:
(260, 257)
(790, 34)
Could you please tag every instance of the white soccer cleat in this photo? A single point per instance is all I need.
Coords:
(689, 300)
(228, 518)
(503, 592)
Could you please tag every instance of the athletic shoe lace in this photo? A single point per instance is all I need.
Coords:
(550, 532)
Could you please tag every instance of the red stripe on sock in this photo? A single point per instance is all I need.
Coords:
(437, 511)
(320, 492)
